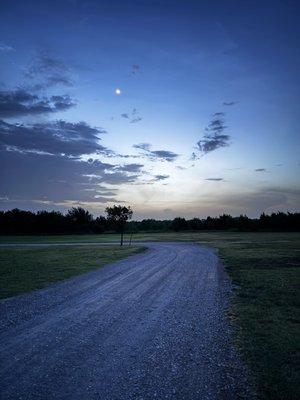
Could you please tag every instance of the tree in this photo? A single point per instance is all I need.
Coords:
(80, 219)
(178, 224)
(99, 225)
(118, 216)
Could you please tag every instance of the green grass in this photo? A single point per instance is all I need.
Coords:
(264, 266)
(204, 237)
(265, 310)
(26, 269)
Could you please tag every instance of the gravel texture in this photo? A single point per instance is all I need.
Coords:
(152, 326)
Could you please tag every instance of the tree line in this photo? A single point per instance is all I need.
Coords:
(77, 220)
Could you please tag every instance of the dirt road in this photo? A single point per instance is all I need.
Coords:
(152, 326)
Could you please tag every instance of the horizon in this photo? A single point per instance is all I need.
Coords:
(103, 214)
(178, 109)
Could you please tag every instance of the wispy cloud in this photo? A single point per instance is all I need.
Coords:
(21, 102)
(161, 177)
(135, 69)
(58, 178)
(135, 120)
(48, 71)
(252, 202)
(214, 137)
(58, 137)
(164, 155)
(130, 168)
(133, 116)
(142, 146)
(229, 103)
(5, 47)
(154, 155)
(260, 170)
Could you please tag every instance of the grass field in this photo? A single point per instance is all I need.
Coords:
(209, 237)
(26, 269)
(265, 268)
(265, 310)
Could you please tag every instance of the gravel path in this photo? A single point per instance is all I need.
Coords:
(148, 327)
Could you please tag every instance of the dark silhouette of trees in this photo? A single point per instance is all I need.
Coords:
(52, 222)
(118, 216)
(78, 220)
(179, 224)
(100, 225)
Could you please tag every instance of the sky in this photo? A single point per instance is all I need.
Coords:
(176, 108)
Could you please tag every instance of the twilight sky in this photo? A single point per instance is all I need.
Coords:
(177, 108)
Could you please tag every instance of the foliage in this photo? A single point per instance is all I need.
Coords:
(117, 217)
(78, 220)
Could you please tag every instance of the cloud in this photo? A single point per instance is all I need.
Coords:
(130, 168)
(135, 68)
(52, 81)
(229, 103)
(260, 170)
(219, 114)
(267, 199)
(213, 142)
(6, 48)
(252, 201)
(133, 116)
(163, 155)
(52, 71)
(44, 64)
(215, 179)
(142, 146)
(161, 177)
(194, 156)
(135, 120)
(39, 177)
(20, 102)
(214, 137)
(58, 137)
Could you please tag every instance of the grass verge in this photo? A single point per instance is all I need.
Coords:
(265, 311)
(26, 269)
(214, 237)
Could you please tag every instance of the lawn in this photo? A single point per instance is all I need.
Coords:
(265, 309)
(265, 270)
(214, 237)
(26, 269)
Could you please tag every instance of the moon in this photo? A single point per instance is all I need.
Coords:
(118, 91)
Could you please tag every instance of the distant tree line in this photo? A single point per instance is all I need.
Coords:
(275, 222)
(78, 220)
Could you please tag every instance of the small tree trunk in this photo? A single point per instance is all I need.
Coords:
(122, 233)
(130, 239)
